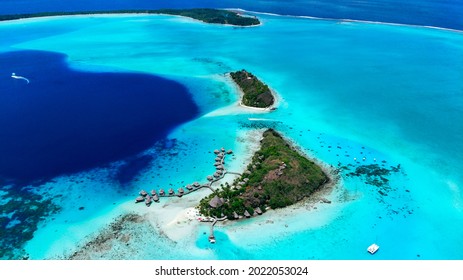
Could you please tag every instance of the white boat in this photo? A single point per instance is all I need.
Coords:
(14, 76)
(373, 248)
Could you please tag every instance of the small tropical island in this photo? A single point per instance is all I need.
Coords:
(278, 176)
(206, 15)
(255, 93)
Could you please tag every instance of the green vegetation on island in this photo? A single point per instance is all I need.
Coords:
(205, 15)
(278, 176)
(255, 93)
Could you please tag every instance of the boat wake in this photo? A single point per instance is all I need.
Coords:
(14, 76)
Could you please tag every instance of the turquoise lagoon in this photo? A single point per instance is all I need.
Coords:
(351, 94)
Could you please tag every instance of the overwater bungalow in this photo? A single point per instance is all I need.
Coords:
(216, 152)
(222, 149)
(155, 198)
(246, 214)
(189, 187)
(229, 152)
(219, 167)
(153, 192)
(171, 191)
(148, 201)
(139, 199)
(217, 163)
(162, 192)
(181, 191)
(216, 175)
(143, 193)
(196, 184)
(258, 211)
(218, 159)
(210, 178)
(220, 172)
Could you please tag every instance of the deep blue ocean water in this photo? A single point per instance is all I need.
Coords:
(439, 13)
(66, 120)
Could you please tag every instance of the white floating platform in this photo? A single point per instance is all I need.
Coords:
(373, 248)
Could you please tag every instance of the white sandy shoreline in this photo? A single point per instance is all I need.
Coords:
(174, 221)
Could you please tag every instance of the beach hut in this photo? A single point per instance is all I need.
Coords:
(246, 214)
(216, 202)
(189, 187)
(153, 192)
(235, 216)
(258, 211)
(143, 193)
(162, 192)
(139, 199)
(171, 191)
(246, 180)
(259, 187)
(216, 152)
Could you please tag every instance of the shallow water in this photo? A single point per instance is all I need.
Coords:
(421, 12)
(349, 91)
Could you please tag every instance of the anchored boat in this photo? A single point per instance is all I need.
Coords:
(372, 248)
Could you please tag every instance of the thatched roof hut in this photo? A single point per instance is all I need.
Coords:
(222, 149)
(216, 152)
(162, 192)
(155, 198)
(216, 175)
(181, 190)
(189, 187)
(246, 180)
(219, 167)
(258, 211)
(246, 214)
(217, 163)
(171, 191)
(218, 159)
(148, 200)
(229, 152)
(143, 193)
(216, 202)
(236, 216)
(153, 192)
(139, 199)
(196, 184)
(210, 178)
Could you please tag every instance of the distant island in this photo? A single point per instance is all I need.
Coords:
(205, 15)
(255, 93)
(278, 176)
